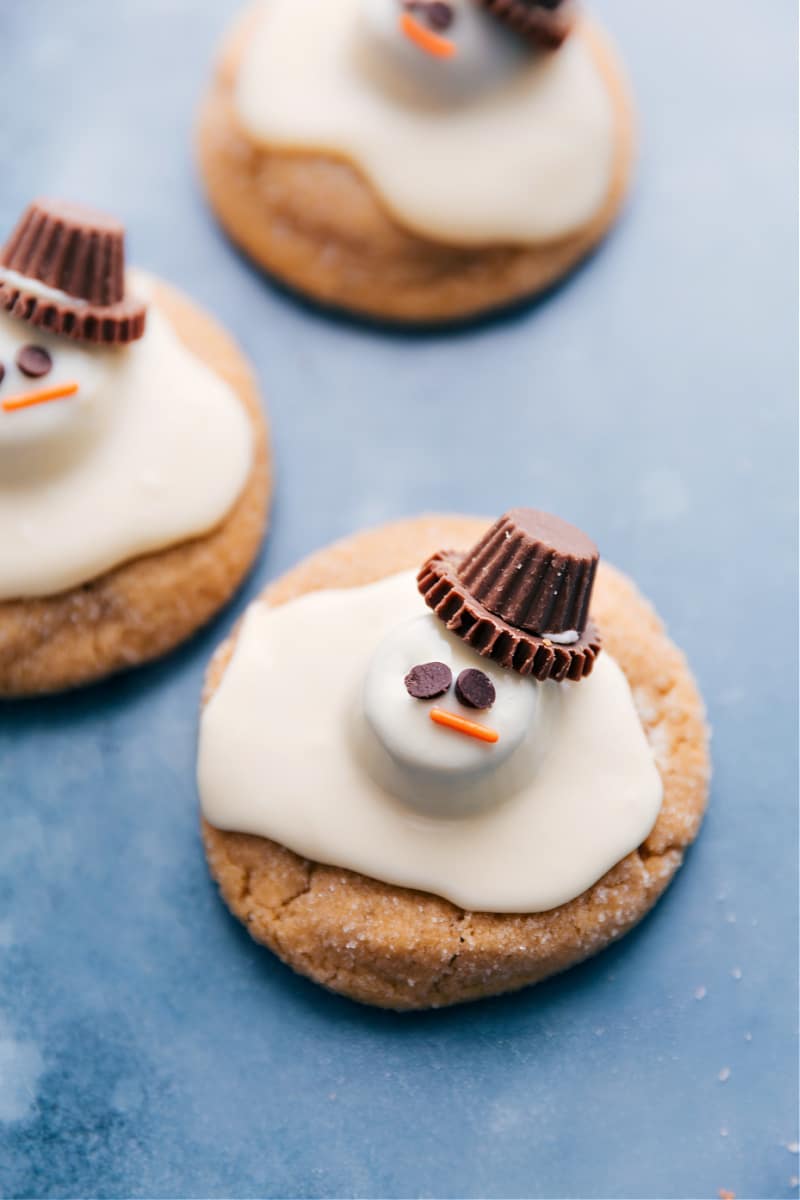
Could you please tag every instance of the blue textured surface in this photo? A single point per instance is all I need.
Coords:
(147, 1047)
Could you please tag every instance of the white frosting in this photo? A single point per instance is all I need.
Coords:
(312, 740)
(153, 449)
(497, 144)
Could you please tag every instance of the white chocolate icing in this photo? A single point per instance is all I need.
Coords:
(289, 751)
(152, 450)
(499, 144)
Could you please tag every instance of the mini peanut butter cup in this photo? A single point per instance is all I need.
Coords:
(521, 595)
(63, 269)
(543, 22)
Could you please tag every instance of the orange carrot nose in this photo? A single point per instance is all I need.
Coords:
(29, 399)
(432, 43)
(461, 725)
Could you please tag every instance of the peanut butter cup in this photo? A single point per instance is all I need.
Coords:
(63, 269)
(546, 22)
(521, 595)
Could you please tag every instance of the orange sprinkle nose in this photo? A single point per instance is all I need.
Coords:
(42, 396)
(432, 43)
(462, 725)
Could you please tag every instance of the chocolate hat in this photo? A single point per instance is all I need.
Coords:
(63, 269)
(546, 22)
(521, 596)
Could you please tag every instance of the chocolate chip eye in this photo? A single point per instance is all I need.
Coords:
(428, 680)
(34, 361)
(475, 689)
(2, 372)
(438, 15)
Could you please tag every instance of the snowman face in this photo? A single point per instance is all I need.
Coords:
(445, 747)
(50, 387)
(452, 48)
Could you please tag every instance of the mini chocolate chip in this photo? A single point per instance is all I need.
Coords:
(440, 16)
(428, 680)
(34, 361)
(2, 372)
(475, 689)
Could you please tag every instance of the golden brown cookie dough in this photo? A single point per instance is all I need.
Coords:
(315, 222)
(403, 949)
(144, 608)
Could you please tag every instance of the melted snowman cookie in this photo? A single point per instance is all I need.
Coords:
(449, 159)
(380, 942)
(107, 451)
(118, 443)
(518, 806)
(497, 143)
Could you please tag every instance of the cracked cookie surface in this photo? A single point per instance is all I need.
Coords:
(403, 949)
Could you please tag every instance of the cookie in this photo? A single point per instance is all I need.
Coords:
(316, 220)
(401, 948)
(148, 603)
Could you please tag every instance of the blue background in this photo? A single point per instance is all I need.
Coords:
(147, 1047)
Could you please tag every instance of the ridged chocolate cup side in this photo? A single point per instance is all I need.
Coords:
(534, 571)
(70, 248)
(114, 326)
(78, 254)
(444, 591)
